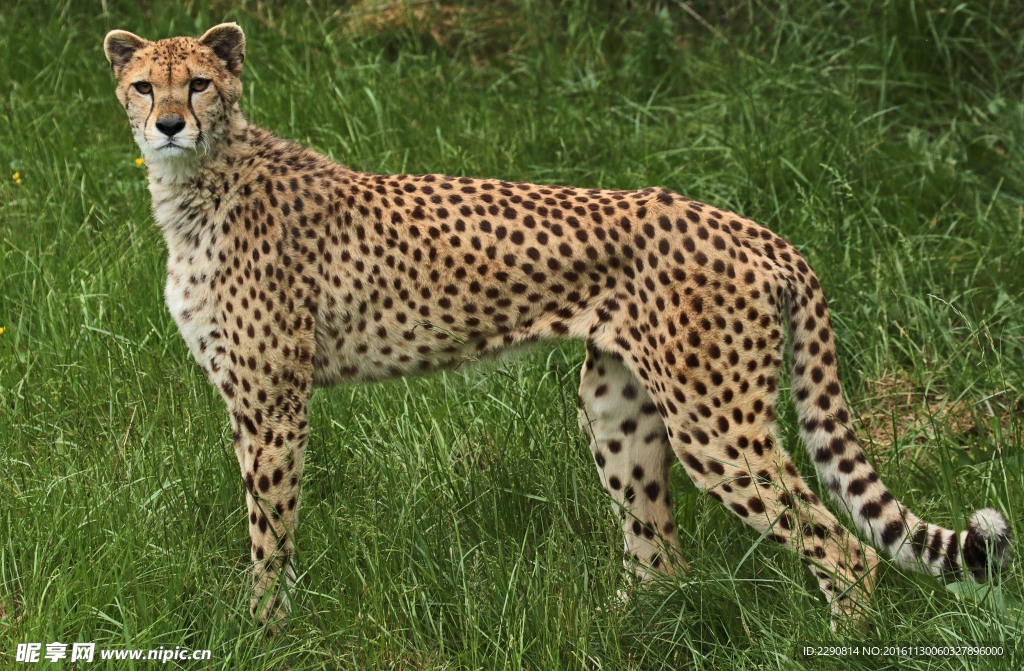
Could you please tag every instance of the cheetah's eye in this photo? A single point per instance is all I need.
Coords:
(200, 84)
(145, 88)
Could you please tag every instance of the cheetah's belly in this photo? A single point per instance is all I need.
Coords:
(355, 351)
(371, 343)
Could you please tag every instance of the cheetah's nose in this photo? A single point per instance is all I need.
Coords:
(170, 125)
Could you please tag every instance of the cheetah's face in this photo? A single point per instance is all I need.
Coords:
(178, 92)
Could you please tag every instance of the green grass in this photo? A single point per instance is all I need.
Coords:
(456, 521)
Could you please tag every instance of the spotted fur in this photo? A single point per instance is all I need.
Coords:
(287, 271)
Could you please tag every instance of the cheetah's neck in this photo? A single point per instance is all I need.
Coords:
(190, 193)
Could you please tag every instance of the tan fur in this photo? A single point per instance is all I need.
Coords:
(286, 271)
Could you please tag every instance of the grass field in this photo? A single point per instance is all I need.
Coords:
(456, 521)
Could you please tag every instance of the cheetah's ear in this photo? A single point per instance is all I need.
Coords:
(227, 41)
(120, 46)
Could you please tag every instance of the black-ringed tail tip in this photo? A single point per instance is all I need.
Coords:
(985, 543)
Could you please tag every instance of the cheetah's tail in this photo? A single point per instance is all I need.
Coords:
(843, 468)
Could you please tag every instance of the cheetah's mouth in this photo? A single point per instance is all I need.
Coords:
(171, 145)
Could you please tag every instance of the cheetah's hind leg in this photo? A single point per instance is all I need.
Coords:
(733, 454)
(630, 447)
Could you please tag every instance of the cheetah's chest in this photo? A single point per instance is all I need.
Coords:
(191, 299)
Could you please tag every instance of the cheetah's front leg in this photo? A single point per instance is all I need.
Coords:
(269, 410)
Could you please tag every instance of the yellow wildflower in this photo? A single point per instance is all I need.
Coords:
(17, 178)
(139, 161)
(2, 329)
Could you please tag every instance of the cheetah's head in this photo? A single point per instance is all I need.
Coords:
(179, 92)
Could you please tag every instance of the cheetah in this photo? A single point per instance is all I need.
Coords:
(287, 271)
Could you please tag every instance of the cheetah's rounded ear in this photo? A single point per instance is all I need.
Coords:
(227, 41)
(120, 46)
